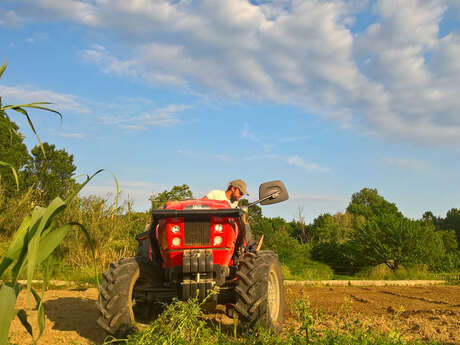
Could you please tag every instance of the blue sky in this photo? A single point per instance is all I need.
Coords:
(328, 96)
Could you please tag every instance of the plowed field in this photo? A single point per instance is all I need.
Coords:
(429, 312)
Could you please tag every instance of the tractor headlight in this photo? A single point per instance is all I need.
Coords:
(175, 229)
(176, 241)
(218, 228)
(217, 240)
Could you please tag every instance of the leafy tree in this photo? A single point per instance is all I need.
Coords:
(368, 205)
(51, 174)
(451, 222)
(393, 240)
(429, 218)
(176, 193)
(13, 151)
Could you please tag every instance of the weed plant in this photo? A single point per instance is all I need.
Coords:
(185, 323)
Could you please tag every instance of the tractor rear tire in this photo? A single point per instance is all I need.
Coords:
(122, 303)
(259, 291)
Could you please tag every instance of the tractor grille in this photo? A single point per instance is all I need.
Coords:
(197, 232)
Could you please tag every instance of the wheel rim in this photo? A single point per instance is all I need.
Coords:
(273, 295)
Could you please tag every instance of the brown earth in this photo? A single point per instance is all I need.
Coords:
(424, 312)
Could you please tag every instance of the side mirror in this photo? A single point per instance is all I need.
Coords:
(272, 192)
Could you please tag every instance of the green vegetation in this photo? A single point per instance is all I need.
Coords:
(185, 323)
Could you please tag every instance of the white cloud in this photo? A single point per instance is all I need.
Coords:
(246, 133)
(307, 166)
(293, 139)
(71, 135)
(27, 94)
(163, 117)
(9, 19)
(406, 163)
(397, 78)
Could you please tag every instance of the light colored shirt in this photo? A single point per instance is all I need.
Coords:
(217, 194)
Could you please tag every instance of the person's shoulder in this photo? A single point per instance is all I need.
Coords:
(216, 193)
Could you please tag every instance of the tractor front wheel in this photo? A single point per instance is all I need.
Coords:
(259, 291)
(122, 303)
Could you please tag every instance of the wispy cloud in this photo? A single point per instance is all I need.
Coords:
(406, 163)
(261, 157)
(293, 139)
(9, 19)
(378, 80)
(307, 166)
(27, 94)
(212, 156)
(70, 135)
(161, 117)
(246, 133)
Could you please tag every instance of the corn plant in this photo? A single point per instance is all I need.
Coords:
(35, 239)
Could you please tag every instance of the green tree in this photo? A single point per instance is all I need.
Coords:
(51, 174)
(13, 151)
(393, 240)
(176, 193)
(368, 205)
(451, 222)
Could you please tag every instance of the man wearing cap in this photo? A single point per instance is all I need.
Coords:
(235, 190)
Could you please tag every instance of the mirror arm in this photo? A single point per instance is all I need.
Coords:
(271, 196)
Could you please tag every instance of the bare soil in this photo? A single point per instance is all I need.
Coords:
(423, 312)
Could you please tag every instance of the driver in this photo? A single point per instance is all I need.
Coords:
(235, 190)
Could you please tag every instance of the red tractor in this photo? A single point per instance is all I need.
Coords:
(191, 247)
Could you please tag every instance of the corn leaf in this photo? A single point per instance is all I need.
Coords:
(13, 170)
(41, 318)
(50, 240)
(17, 243)
(35, 105)
(29, 121)
(7, 303)
(22, 316)
(76, 191)
(2, 69)
(43, 218)
(37, 298)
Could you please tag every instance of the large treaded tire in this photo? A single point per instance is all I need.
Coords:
(122, 310)
(259, 291)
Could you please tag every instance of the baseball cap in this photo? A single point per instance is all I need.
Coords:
(240, 184)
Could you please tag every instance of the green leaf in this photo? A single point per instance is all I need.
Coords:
(37, 297)
(77, 190)
(13, 171)
(51, 238)
(42, 219)
(22, 316)
(41, 318)
(31, 125)
(34, 105)
(7, 303)
(2, 69)
(16, 245)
